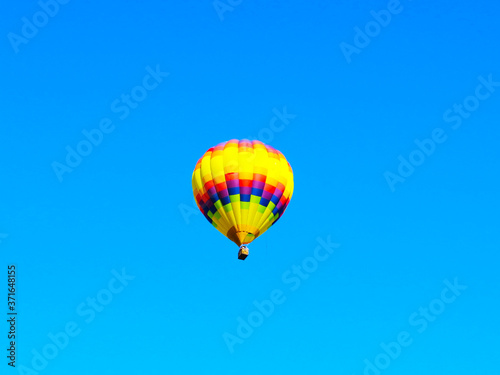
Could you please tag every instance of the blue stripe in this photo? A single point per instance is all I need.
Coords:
(264, 202)
(257, 192)
(275, 199)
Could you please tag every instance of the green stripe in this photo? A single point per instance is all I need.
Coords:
(254, 199)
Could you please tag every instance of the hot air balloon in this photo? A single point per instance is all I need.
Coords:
(242, 187)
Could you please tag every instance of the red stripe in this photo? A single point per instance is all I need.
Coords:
(221, 186)
(231, 176)
(269, 188)
(246, 183)
(259, 177)
(209, 184)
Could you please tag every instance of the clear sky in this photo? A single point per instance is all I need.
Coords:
(386, 260)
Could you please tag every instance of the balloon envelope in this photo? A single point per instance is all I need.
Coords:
(242, 187)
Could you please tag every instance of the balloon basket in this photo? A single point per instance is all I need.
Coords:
(243, 253)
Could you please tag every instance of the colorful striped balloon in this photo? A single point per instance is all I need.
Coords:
(242, 188)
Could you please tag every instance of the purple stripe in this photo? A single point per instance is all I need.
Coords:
(267, 195)
(279, 205)
(258, 184)
(233, 183)
(245, 190)
(278, 193)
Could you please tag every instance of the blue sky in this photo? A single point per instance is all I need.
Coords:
(110, 250)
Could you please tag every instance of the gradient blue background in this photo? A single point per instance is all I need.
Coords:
(121, 207)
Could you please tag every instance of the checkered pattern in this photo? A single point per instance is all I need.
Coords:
(242, 188)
